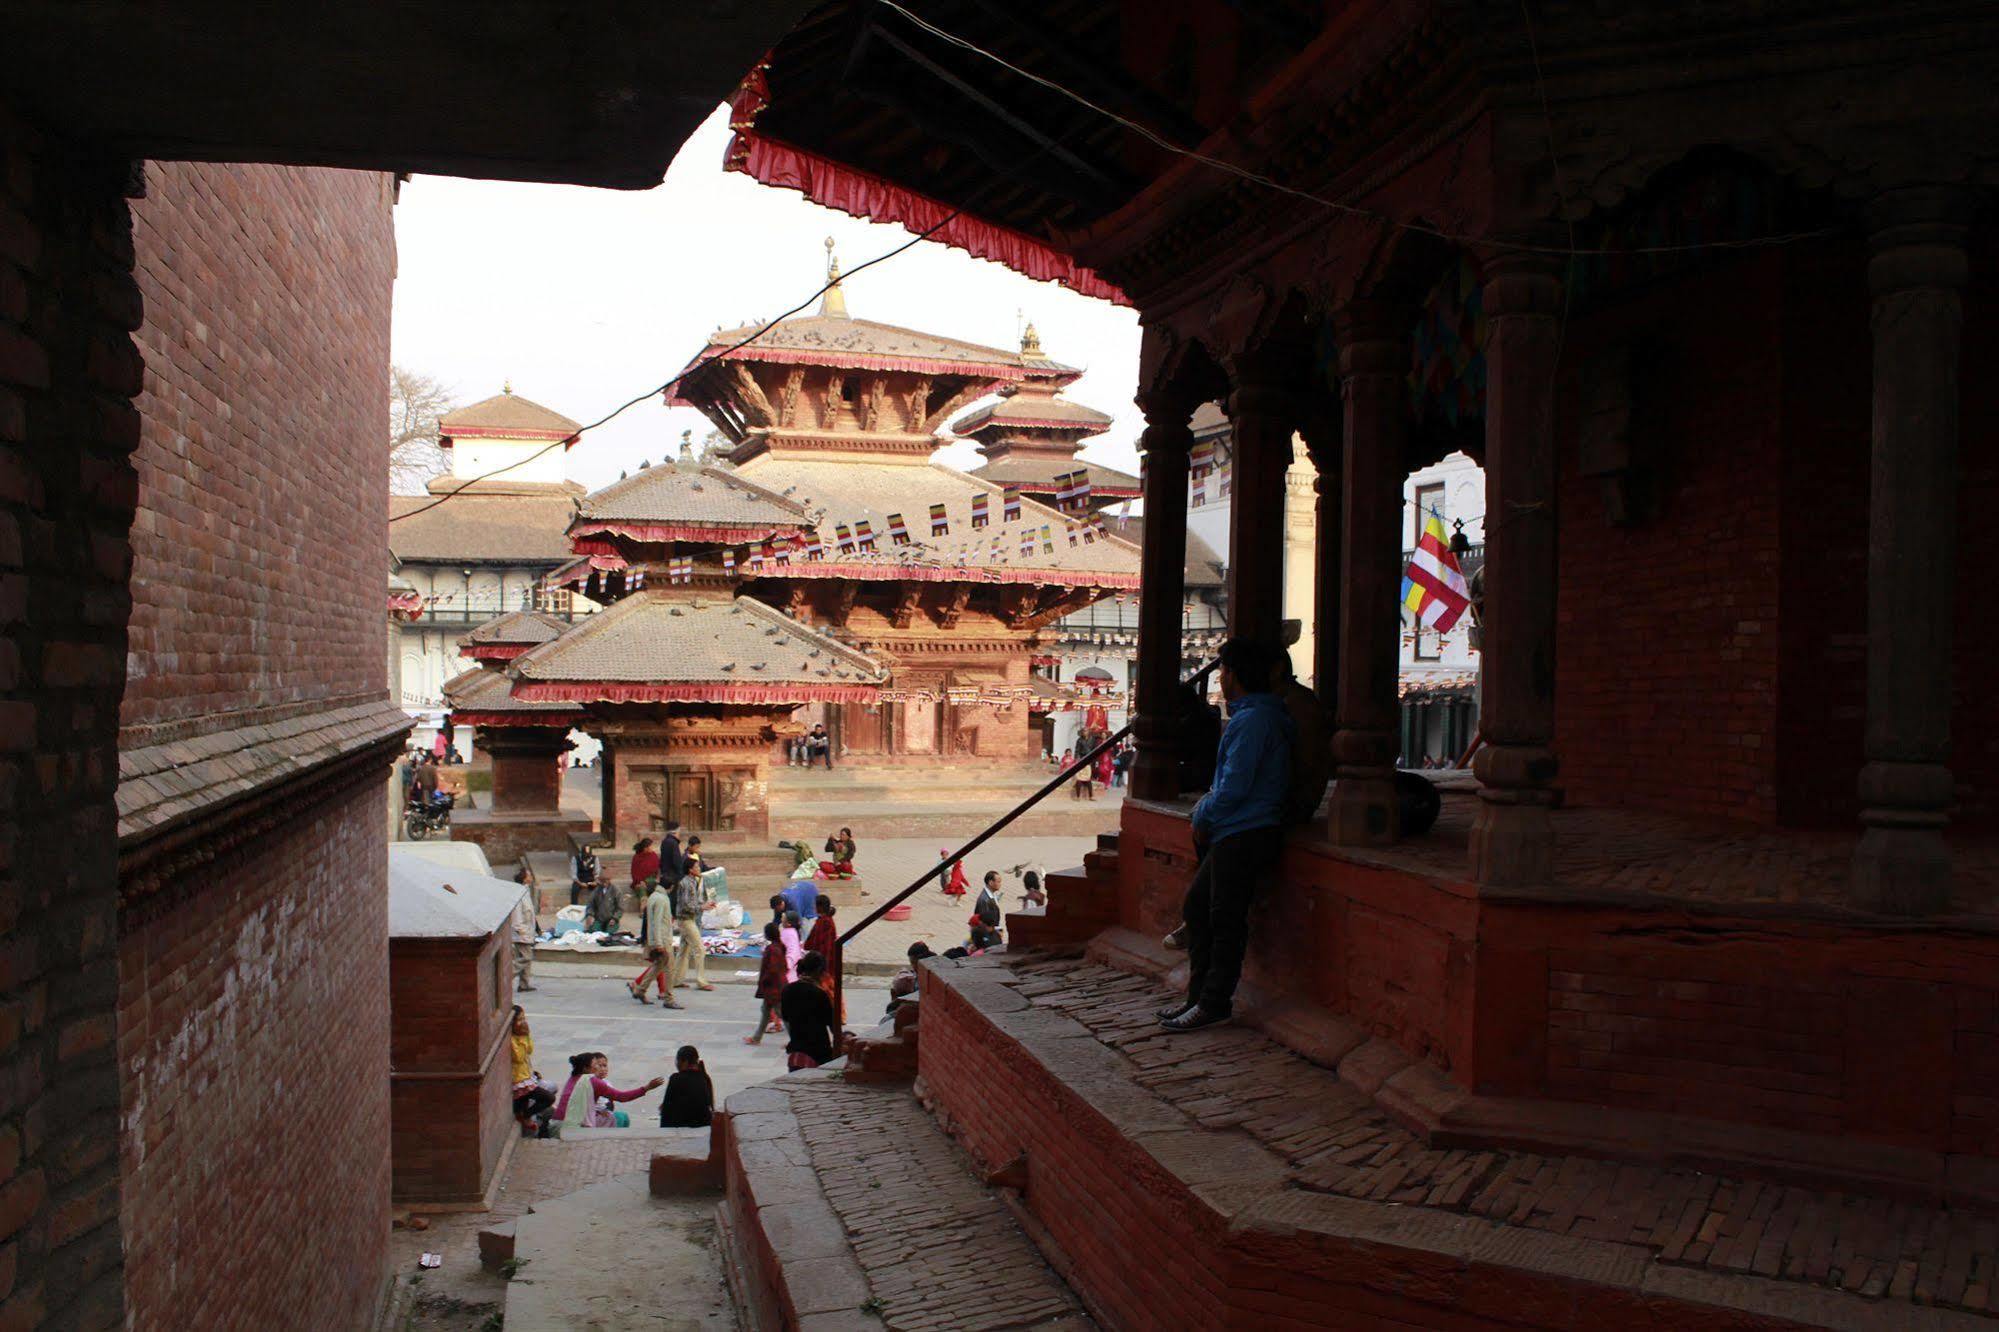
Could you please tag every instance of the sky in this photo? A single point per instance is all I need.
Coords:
(584, 298)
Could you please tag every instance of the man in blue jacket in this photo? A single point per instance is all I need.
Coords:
(1238, 832)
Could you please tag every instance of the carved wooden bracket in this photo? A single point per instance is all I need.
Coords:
(906, 604)
(953, 605)
(841, 606)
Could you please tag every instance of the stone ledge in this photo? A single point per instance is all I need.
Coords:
(1268, 1247)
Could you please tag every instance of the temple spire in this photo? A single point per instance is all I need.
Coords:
(1030, 341)
(834, 306)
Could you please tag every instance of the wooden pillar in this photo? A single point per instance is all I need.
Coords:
(1167, 442)
(1374, 364)
(1917, 276)
(1512, 842)
(1261, 418)
(1322, 441)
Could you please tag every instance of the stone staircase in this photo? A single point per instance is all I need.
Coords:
(1082, 902)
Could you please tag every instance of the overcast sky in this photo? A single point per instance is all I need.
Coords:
(585, 298)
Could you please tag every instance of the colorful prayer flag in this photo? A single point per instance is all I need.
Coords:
(1027, 542)
(1433, 587)
(1203, 459)
(729, 559)
(1047, 539)
(1200, 495)
(843, 538)
(1222, 484)
(1072, 531)
(864, 536)
(1009, 504)
(979, 504)
(1082, 496)
(897, 533)
(939, 524)
(814, 548)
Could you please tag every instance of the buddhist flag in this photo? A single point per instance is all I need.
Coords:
(1078, 496)
(1222, 475)
(980, 516)
(1203, 458)
(1072, 531)
(1009, 504)
(1047, 539)
(1200, 495)
(814, 549)
(843, 538)
(939, 524)
(1433, 587)
(729, 559)
(784, 549)
(864, 535)
(1027, 542)
(897, 532)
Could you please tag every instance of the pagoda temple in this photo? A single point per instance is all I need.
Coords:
(1030, 439)
(947, 579)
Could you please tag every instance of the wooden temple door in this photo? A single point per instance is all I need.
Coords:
(689, 799)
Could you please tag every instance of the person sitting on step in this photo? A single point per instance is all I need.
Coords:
(690, 1094)
(588, 1097)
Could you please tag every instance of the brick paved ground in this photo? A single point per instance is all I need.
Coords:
(1632, 851)
(938, 1248)
(1336, 1140)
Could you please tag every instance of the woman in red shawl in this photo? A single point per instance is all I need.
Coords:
(955, 881)
(825, 941)
(770, 984)
(1106, 761)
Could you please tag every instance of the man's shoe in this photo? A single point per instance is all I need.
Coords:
(1171, 1011)
(1177, 941)
(524, 989)
(637, 993)
(1194, 1019)
(669, 1002)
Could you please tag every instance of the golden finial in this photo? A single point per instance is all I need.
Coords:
(834, 306)
(1030, 341)
(507, 386)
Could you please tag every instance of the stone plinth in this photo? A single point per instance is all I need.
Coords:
(506, 837)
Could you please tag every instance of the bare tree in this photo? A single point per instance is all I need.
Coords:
(415, 404)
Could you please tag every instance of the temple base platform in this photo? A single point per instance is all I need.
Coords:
(508, 837)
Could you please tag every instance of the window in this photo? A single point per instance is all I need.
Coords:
(1429, 502)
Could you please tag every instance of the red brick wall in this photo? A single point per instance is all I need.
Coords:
(1666, 675)
(254, 1034)
(259, 551)
(68, 370)
(449, 1007)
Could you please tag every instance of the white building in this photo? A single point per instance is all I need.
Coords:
(478, 545)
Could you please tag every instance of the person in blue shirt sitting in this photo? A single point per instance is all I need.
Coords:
(1238, 834)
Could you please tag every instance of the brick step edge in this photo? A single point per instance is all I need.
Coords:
(1008, 1081)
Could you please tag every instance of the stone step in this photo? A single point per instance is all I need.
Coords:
(1055, 817)
(1264, 1189)
(848, 1207)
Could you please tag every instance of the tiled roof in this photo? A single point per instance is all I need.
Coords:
(664, 636)
(432, 901)
(846, 489)
(163, 784)
(688, 495)
(484, 690)
(1032, 409)
(1204, 567)
(1041, 473)
(484, 527)
(863, 344)
(506, 413)
(521, 626)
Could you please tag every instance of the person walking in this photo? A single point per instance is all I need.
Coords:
(955, 881)
(526, 926)
(770, 983)
(1238, 834)
(659, 951)
(690, 899)
(645, 868)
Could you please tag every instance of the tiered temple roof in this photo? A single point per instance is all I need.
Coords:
(494, 522)
(662, 645)
(484, 697)
(505, 415)
(682, 502)
(509, 635)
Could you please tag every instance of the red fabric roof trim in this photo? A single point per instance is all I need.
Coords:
(494, 651)
(863, 194)
(996, 371)
(926, 573)
(581, 532)
(493, 432)
(563, 719)
(569, 691)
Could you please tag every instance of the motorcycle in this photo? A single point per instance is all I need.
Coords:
(420, 820)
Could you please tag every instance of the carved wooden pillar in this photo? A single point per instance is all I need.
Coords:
(1917, 276)
(1262, 416)
(1323, 434)
(1155, 773)
(1374, 365)
(1512, 842)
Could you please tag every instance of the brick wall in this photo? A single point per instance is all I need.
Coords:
(259, 550)
(68, 370)
(254, 1039)
(450, 1006)
(1667, 645)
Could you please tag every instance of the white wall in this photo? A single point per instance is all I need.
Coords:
(475, 457)
(1463, 498)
